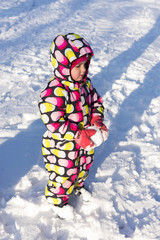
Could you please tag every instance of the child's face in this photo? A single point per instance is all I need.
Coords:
(79, 71)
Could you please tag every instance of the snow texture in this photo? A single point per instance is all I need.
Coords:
(124, 179)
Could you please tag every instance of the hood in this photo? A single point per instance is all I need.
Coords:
(65, 49)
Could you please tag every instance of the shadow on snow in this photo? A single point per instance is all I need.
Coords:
(19, 154)
(135, 104)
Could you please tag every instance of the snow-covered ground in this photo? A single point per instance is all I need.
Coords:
(124, 180)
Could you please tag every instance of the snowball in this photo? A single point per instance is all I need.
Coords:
(97, 138)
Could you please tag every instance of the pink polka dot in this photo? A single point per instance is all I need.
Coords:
(55, 116)
(64, 127)
(61, 42)
(88, 166)
(53, 126)
(77, 146)
(73, 46)
(73, 177)
(72, 155)
(58, 190)
(64, 71)
(58, 75)
(75, 96)
(52, 142)
(55, 82)
(65, 163)
(82, 160)
(100, 100)
(79, 106)
(47, 92)
(60, 58)
(65, 198)
(88, 160)
(89, 100)
(51, 159)
(73, 127)
(72, 171)
(67, 184)
(85, 50)
(81, 184)
(82, 91)
(76, 117)
(55, 100)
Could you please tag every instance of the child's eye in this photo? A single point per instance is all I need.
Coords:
(86, 65)
(80, 64)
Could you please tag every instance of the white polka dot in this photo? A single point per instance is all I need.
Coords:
(42, 108)
(61, 170)
(59, 179)
(78, 43)
(62, 154)
(45, 118)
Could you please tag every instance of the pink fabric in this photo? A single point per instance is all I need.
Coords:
(79, 60)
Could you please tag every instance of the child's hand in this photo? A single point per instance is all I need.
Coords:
(83, 138)
(97, 122)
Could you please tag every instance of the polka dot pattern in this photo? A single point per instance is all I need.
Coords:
(65, 172)
(65, 107)
(64, 50)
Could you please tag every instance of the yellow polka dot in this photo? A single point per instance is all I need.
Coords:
(101, 109)
(86, 109)
(81, 125)
(50, 167)
(59, 170)
(45, 151)
(69, 108)
(70, 54)
(52, 47)
(56, 136)
(47, 193)
(76, 35)
(67, 83)
(69, 136)
(61, 179)
(81, 174)
(46, 143)
(47, 107)
(54, 62)
(91, 151)
(77, 161)
(60, 92)
(45, 118)
(68, 146)
(88, 83)
(59, 153)
(55, 184)
(55, 201)
(70, 190)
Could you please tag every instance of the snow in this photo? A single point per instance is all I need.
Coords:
(124, 179)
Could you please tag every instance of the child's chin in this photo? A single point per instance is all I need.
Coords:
(79, 79)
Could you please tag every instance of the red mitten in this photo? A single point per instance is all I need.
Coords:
(83, 138)
(97, 122)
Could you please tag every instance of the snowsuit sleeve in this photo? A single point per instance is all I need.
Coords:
(52, 107)
(97, 108)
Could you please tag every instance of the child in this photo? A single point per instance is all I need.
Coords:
(69, 105)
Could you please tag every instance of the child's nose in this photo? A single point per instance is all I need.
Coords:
(83, 69)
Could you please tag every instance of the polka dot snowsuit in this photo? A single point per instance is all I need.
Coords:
(65, 107)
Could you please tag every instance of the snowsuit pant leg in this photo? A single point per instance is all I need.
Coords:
(85, 162)
(67, 169)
